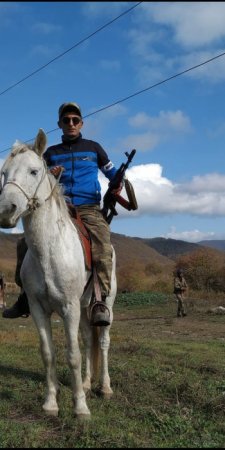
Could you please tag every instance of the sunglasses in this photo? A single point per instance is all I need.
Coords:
(67, 120)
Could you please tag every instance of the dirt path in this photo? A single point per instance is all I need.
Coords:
(197, 325)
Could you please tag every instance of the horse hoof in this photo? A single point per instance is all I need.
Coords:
(83, 417)
(51, 412)
(107, 395)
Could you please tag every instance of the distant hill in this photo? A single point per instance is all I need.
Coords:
(8, 245)
(8, 254)
(127, 250)
(160, 250)
(150, 261)
(217, 244)
(171, 248)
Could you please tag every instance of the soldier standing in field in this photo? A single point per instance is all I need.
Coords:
(180, 287)
(2, 291)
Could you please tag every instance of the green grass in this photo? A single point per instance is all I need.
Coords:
(167, 376)
(141, 299)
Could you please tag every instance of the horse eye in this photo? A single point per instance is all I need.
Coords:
(34, 172)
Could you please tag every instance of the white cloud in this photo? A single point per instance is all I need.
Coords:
(195, 32)
(212, 182)
(45, 28)
(154, 130)
(217, 131)
(144, 142)
(105, 9)
(164, 127)
(141, 43)
(157, 195)
(212, 72)
(190, 236)
(150, 73)
(94, 126)
(43, 50)
(194, 24)
(166, 120)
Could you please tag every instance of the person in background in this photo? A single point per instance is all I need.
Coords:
(2, 291)
(79, 160)
(180, 287)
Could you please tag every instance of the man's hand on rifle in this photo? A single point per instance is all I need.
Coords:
(117, 190)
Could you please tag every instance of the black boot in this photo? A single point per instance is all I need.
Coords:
(100, 315)
(19, 309)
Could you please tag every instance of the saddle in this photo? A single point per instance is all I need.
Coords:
(83, 235)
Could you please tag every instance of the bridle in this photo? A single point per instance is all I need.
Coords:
(33, 202)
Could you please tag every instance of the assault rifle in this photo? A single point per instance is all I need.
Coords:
(111, 198)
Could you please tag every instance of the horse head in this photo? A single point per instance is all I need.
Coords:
(21, 179)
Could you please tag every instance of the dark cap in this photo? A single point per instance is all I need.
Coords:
(69, 107)
(180, 272)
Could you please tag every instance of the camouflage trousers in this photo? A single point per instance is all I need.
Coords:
(2, 298)
(180, 305)
(99, 231)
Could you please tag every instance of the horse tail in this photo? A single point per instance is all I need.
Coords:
(95, 352)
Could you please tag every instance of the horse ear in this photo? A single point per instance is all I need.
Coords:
(40, 142)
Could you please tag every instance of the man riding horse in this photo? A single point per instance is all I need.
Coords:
(78, 161)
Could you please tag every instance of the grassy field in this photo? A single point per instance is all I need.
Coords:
(167, 375)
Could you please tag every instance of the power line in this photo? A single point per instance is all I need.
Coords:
(69, 49)
(136, 93)
(154, 85)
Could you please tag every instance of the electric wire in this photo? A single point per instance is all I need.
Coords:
(69, 49)
(135, 94)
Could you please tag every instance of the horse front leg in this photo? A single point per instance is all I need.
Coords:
(43, 325)
(74, 361)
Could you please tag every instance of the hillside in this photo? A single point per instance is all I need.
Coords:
(217, 244)
(8, 254)
(8, 245)
(171, 248)
(128, 250)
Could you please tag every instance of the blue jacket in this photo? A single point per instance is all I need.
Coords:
(81, 159)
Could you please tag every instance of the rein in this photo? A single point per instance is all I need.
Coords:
(33, 202)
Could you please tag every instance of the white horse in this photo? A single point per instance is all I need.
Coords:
(53, 272)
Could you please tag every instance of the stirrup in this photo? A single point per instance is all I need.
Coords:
(100, 318)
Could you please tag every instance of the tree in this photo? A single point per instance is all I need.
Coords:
(202, 268)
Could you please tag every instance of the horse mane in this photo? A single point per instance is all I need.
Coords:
(58, 195)
(19, 147)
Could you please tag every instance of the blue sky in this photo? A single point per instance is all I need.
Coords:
(177, 128)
